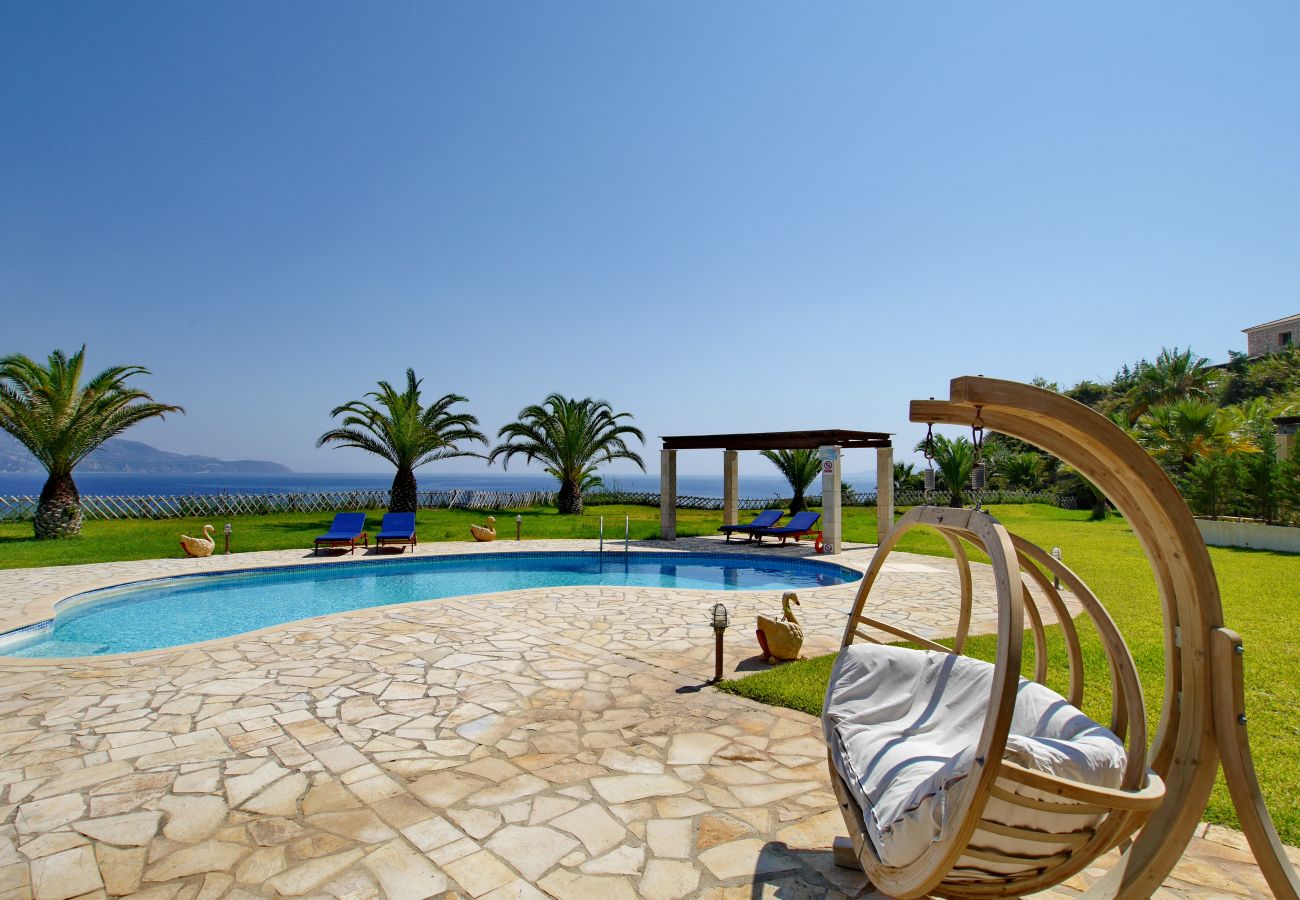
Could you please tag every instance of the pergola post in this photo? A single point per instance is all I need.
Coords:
(884, 492)
(832, 522)
(730, 487)
(668, 495)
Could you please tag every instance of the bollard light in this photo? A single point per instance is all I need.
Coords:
(720, 622)
(519, 528)
(227, 531)
(1056, 579)
(720, 617)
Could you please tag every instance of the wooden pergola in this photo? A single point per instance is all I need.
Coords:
(834, 440)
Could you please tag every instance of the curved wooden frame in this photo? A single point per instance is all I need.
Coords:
(1202, 712)
(1119, 811)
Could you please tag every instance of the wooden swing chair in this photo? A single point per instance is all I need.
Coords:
(1007, 829)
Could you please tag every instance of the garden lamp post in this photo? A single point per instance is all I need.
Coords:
(720, 622)
(227, 531)
(1056, 579)
(519, 527)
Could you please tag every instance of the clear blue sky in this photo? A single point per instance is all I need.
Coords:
(720, 217)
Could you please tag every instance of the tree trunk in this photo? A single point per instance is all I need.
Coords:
(570, 499)
(58, 515)
(1098, 505)
(797, 503)
(402, 497)
(955, 498)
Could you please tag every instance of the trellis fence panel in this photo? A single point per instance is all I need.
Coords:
(193, 506)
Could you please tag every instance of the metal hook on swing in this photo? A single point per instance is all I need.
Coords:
(979, 471)
(929, 461)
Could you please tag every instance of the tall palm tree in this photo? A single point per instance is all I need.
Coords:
(60, 420)
(1178, 433)
(1175, 375)
(400, 428)
(570, 437)
(799, 467)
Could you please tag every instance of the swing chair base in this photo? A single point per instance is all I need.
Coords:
(844, 855)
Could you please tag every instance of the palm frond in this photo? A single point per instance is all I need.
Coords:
(396, 426)
(60, 419)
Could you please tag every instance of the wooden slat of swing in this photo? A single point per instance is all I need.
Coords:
(903, 633)
(1047, 806)
(1037, 863)
(1126, 688)
(1111, 798)
(1064, 621)
(1040, 636)
(967, 591)
(1071, 838)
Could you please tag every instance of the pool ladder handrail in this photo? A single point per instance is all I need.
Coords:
(627, 533)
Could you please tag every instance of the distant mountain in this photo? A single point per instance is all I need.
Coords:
(120, 456)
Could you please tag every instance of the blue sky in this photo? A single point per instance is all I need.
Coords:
(720, 217)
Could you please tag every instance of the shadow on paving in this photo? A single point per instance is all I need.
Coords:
(782, 872)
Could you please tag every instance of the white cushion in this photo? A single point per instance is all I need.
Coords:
(903, 725)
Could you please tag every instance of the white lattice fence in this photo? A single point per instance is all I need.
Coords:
(226, 505)
(17, 509)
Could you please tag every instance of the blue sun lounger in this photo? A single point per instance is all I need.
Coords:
(800, 524)
(398, 530)
(764, 519)
(348, 530)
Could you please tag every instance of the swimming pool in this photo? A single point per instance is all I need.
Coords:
(186, 609)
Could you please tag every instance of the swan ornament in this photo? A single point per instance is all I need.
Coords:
(781, 639)
(203, 546)
(486, 532)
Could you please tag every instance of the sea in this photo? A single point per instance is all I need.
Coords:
(143, 484)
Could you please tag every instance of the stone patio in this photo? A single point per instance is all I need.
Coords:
(551, 742)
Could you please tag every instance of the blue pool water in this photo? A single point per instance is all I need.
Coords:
(185, 609)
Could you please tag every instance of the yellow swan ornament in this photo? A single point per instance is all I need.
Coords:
(781, 639)
(199, 546)
(486, 532)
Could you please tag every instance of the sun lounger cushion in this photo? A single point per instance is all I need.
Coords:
(799, 523)
(902, 727)
(345, 527)
(762, 520)
(397, 525)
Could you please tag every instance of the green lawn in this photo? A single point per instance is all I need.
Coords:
(153, 539)
(1261, 591)
(1261, 594)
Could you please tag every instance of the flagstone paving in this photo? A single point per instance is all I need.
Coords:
(550, 742)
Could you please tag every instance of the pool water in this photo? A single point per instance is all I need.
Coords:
(185, 609)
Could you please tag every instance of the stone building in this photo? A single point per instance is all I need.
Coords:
(1271, 337)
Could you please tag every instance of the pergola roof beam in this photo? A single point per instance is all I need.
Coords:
(779, 440)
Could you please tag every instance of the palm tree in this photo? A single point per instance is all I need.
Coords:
(60, 420)
(799, 467)
(1178, 433)
(1020, 470)
(906, 478)
(1175, 375)
(954, 459)
(399, 428)
(570, 437)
